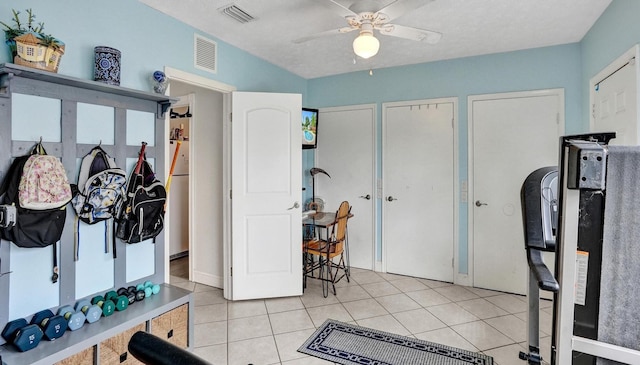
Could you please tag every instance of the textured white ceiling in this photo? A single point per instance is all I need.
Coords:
(469, 28)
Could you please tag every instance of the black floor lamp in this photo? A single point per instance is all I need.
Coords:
(314, 171)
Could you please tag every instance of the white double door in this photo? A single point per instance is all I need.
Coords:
(419, 150)
(418, 170)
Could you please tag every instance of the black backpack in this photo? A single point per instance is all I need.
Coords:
(142, 214)
(33, 228)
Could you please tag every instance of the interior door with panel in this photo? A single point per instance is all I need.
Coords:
(511, 135)
(266, 181)
(418, 183)
(346, 151)
(614, 100)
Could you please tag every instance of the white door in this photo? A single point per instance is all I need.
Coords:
(418, 184)
(510, 136)
(346, 151)
(266, 253)
(614, 101)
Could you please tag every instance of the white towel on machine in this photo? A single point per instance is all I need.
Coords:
(618, 320)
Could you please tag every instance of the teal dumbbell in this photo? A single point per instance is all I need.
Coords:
(75, 319)
(121, 302)
(107, 306)
(92, 312)
(111, 295)
(146, 288)
(155, 288)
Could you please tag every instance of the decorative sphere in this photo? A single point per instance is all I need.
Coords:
(159, 76)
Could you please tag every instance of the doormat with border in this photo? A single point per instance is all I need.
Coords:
(349, 344)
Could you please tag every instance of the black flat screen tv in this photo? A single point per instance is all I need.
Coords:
(309, 128)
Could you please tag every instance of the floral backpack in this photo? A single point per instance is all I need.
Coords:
(36, 186)
(43, 184)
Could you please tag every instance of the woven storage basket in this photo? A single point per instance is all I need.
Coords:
(114, 351)
(173, 326)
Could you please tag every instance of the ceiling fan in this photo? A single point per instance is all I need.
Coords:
(361, 16)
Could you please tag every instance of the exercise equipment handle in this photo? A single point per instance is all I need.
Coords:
(543, 275)
(152, 350)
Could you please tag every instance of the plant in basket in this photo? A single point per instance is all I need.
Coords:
(31, 47)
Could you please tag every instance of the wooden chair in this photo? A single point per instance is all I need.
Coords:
(326, 250)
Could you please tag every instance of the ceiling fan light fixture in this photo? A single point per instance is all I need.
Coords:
(366, 45)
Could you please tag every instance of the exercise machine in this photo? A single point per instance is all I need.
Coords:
(580, 335)
(539, 196)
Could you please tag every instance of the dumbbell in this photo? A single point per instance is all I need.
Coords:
(145, 289)
(131, 295)
(91, 311)
(53, 326)
(75, 319)
(22, 335)
(107, 306)
(140, 294)
(121, 302)
(155, 288)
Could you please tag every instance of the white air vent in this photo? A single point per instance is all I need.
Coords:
(236, 13)
(205, 53)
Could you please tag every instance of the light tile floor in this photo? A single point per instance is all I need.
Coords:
(269, 331)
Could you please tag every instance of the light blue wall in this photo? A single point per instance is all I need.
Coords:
(148, 40)
(542, 68)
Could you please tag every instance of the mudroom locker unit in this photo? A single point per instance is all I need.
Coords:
(71, 116)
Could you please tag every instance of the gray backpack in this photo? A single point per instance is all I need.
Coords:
(101, 189)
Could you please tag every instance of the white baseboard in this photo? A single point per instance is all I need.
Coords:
(463, 279)
(208, 279)
(378, 267)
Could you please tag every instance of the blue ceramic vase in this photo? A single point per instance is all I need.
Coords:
(107, 65)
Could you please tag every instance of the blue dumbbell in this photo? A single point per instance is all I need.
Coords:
(91, 311)
(75, 319)
(52, 326)
(22, 335)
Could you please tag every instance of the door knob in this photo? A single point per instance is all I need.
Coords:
(296, 205)
(390, 198)
(479, 203)
(368, 197)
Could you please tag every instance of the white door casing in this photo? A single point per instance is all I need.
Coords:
(419, 183)
(510, 136)
(266, 180)
(206, 250)
(179, 191)
(346, 150)
(614, 99)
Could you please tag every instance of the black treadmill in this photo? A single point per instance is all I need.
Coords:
(539, 196)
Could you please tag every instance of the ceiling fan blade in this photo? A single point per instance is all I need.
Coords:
(324, 34)
(401, 7)
(339, 8)
(413, 34)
